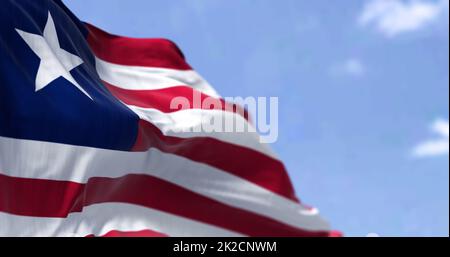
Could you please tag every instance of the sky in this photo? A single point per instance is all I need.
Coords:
(363, 89)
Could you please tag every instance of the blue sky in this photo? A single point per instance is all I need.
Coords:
(363, 88)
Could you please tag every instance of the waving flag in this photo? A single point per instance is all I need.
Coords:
(89, 145)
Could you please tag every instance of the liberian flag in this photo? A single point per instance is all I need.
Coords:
(90, 146)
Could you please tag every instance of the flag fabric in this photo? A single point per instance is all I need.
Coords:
(89, 144)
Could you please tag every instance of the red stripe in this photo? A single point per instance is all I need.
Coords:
(243, 162)
(142, 233)
(161, 99)
(49, 198)
(160, 53)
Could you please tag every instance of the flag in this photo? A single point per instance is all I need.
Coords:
(91, 146)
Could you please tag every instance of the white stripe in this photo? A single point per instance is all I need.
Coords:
(147, 78)
(99, 219)
(190, 123)
(43, 160)
(141, 78)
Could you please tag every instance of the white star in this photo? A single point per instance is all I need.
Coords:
(55, 61)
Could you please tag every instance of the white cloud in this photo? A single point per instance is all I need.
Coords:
(393, 17)
(438, 146)
(353, 67)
